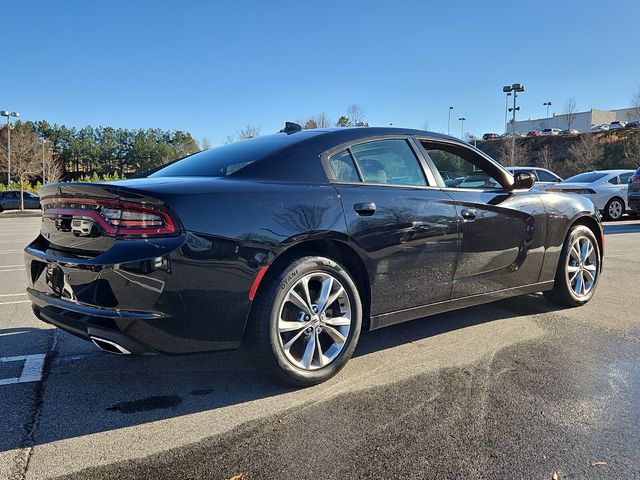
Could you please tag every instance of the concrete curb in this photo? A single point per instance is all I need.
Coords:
(21, 214)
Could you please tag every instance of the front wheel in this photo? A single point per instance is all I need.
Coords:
(614, 209)
(306, 323)
(578, 269)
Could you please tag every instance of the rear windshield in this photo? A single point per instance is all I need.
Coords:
(585, 178)
(228, 159)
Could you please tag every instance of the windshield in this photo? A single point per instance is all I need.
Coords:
(585, 177)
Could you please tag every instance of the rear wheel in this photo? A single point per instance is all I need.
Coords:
(578, 269)
(306, 323)
(614, 209)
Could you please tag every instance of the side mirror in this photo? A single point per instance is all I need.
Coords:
(523, 181)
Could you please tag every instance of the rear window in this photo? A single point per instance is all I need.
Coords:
(585, 178)
(228, 159)
(637, 171)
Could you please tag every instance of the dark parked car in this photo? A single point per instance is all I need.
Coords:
(633, 197)
(295, 242)
(10, 200)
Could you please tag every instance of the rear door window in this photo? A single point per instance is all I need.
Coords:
(389, 162)
(545, 176)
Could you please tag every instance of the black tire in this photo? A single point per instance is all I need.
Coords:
(609, 209)
(563, 294)
(264, 339)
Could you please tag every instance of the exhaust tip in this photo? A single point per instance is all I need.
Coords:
(109, 346)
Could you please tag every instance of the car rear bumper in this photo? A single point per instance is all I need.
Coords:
(168, 295)
(634, 201)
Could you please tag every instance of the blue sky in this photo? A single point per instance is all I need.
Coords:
(213, 67)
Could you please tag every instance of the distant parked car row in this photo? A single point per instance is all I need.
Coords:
(10, 200)
(572, 131)
(618, 124)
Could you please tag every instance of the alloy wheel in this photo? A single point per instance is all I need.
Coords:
(582, 267)
(615, 209)
(314, 321)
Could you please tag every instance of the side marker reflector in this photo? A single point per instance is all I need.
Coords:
(256, 282)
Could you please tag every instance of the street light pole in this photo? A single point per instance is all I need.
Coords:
(515, 88)
(43, 173)
(449, 122)
(462, 119)
(8, 114)
(547, 104)
(506, 108)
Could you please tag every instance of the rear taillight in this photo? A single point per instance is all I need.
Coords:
(114, 217)
(634, 179)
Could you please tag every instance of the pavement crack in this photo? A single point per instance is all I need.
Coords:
(23, 457)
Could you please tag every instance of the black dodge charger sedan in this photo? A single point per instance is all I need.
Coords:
(292, 243)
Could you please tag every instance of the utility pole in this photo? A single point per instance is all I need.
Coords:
(449, 122)
(462, 119)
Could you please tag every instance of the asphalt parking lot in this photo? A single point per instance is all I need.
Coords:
(516, 389)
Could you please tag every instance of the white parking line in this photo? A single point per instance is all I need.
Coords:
(12, 294)
(12, 266)
(31, 370)
(17, 301)
(12, 270)
(7, 252)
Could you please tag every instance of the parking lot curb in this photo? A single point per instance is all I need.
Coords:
(19, 214)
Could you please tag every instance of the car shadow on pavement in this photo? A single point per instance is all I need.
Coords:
(91, 391)
(613, 228)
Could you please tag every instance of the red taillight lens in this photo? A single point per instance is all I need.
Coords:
(114, 217)
(634, 179)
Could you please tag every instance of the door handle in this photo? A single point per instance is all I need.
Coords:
(365, 209)
(469, 214)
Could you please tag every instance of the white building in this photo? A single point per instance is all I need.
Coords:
(582, 121)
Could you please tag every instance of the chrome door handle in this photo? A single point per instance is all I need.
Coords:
(365, 209)
(469, 214)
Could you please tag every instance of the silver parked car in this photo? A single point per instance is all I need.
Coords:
(607, 189)
(10, 200)
(544, 178)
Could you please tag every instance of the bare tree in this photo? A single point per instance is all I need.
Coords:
(521, 156)
(570, 111)
(323, 121)
(545, 159)
(229, 139)
(26, 155)
(205, 144)
(586, 153)
(248, 132)
(355, 113)
(635, 106)
(631, 158)
(52, 167)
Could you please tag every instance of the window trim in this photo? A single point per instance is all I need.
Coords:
(507, 178)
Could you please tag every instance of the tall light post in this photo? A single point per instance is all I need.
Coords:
(44, 141)
(515, 89)
(8, 114)
(547, 104)
(506, 107)
(449, 122)
(462, 119)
